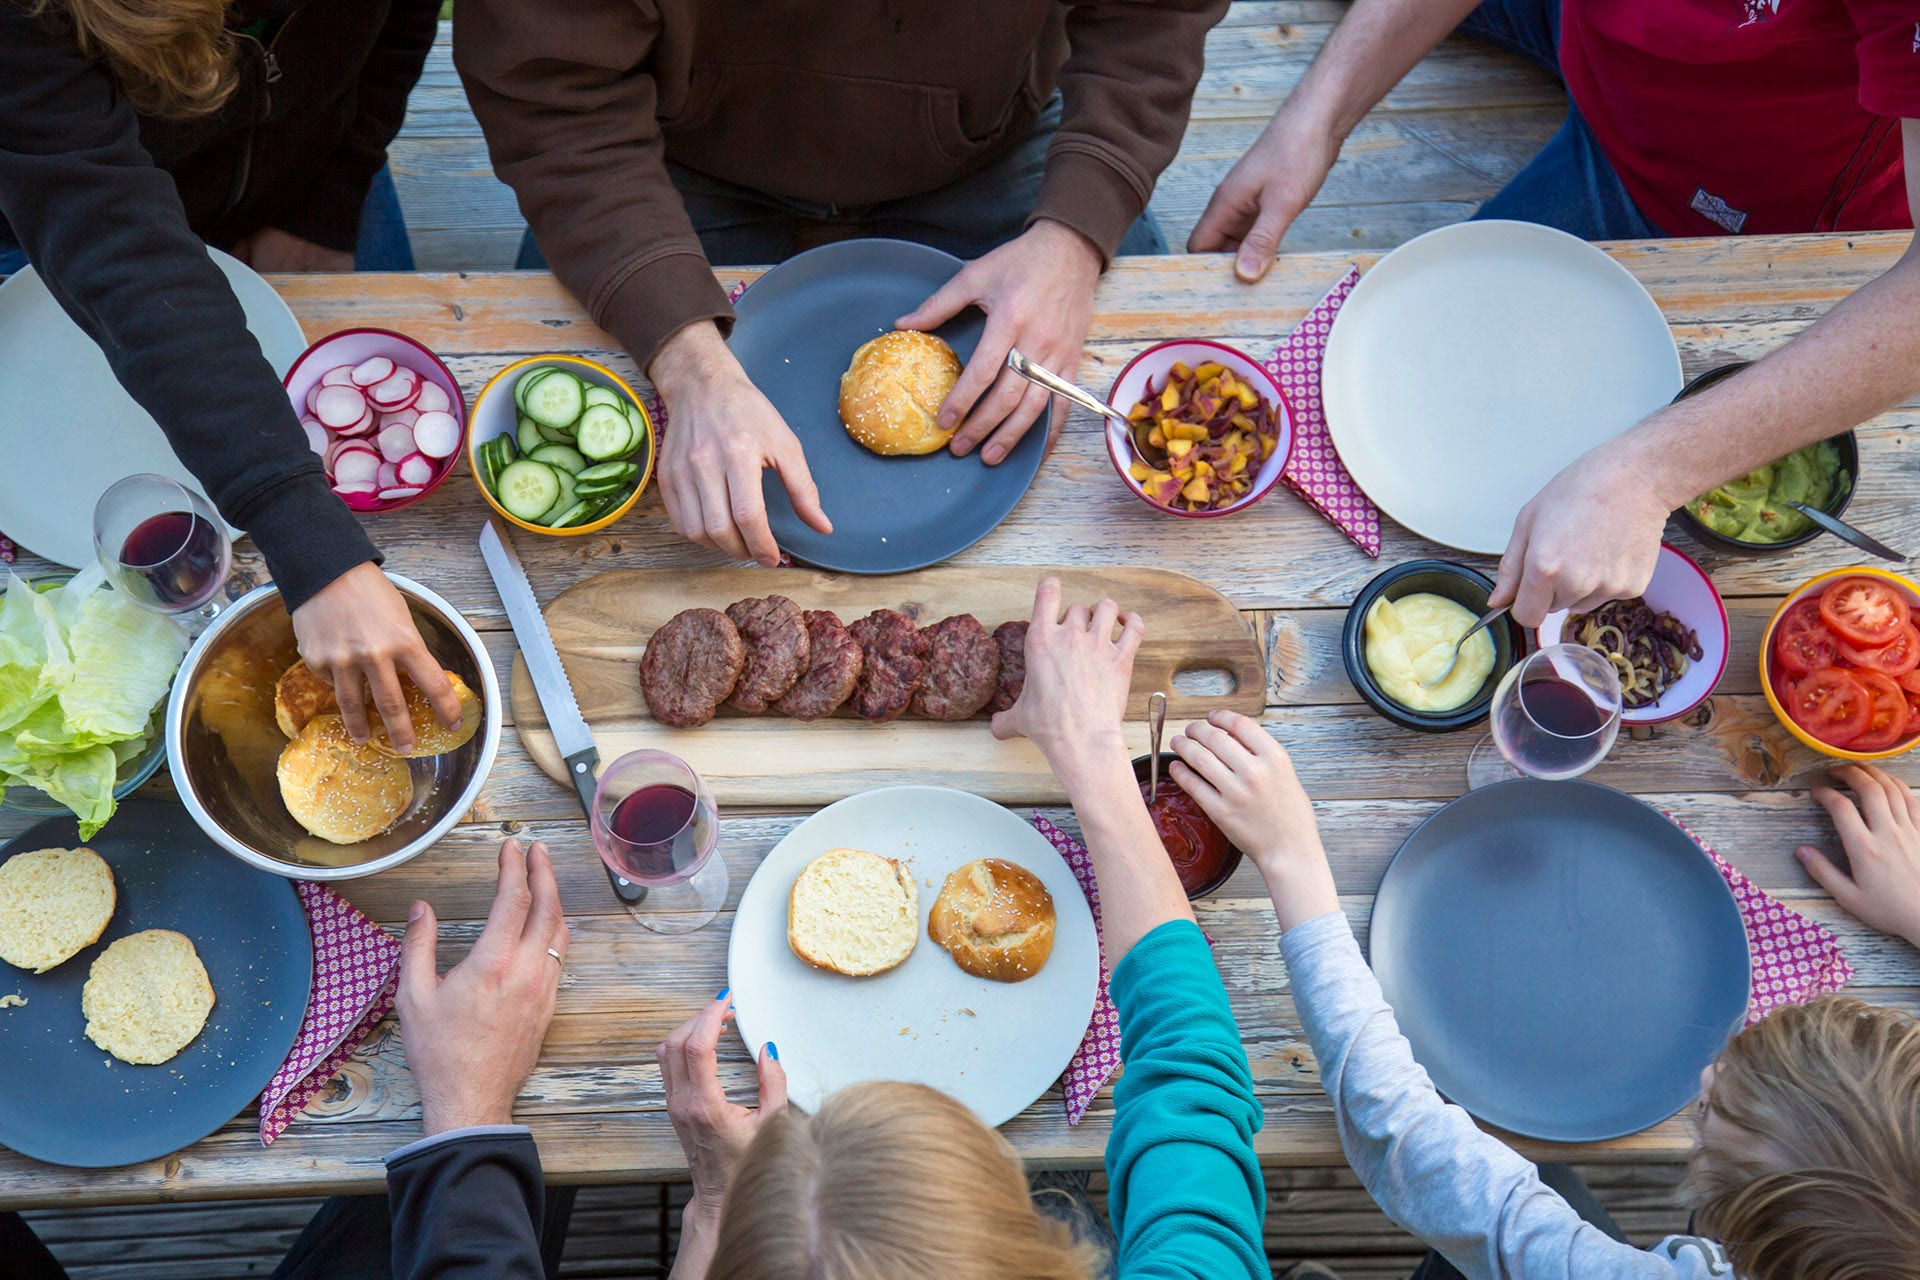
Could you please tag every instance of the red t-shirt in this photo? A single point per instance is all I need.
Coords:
(1757, 116)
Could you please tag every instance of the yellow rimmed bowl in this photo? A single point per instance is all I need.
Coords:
(494, 414)
(1813, 587)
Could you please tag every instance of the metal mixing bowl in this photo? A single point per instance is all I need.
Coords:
(223, 745)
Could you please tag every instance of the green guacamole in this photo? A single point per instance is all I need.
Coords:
(1754, 507)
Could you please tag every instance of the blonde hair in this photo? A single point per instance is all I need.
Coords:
(170, 57)
(887, 1182)
(1816, 1173)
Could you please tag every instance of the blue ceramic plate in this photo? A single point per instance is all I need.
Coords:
(66, 1101)
(798, 328)
(1563, 959)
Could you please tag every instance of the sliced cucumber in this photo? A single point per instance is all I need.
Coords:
(529, 435)
(576, 514)
(502, 450)
(561, 456)
(556, 435)
(560, 504)
(597, 394)
(603, 507)
(525, 383)
(556, 400)
(527, 489)
(598, 488)
(605, 433)
(484, 466)
(616, 471)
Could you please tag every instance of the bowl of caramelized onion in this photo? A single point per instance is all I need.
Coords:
(1669, 645)
(1208, 433)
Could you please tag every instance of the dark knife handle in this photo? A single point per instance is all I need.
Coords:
(580, 772)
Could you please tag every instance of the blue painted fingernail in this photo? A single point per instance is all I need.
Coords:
(723, 993)
(773, 1051)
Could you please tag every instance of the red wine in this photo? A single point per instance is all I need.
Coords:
(175, 559)
(660, 832)
(1571, 722)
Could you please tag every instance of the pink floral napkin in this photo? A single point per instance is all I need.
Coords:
(1794, 959)
(6, 549)
(1314, 470)
(355, 965)
(1099, 1054)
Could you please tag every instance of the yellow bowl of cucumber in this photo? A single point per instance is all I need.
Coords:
(559, 444)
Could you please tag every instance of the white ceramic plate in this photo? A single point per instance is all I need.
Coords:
(995, 1046)
(91, 433)
(1475, 361)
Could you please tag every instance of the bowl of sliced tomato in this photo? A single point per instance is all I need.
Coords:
(1840, 663)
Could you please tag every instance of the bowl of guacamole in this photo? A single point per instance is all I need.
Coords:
(1750, 515)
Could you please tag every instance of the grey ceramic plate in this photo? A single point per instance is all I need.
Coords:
(66, 1101)
(1563, 959)
(798, 327)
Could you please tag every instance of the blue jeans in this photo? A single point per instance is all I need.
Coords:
(1570, 184)
(741, 227)
(383, 245)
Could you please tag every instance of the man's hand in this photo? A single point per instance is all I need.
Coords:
(1037, 291)
(1246, 783)
(713, 1132)
(354, 634)
(473, 1036)
(1264, 192)
(1880, 830)
(1592, 535)
(271, 249)
(722, 433)
(1077, 679)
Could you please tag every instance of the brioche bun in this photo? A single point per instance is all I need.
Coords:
(342, 791)
(891, 394)
(147, 997)
(302, 694)
(54, 903)
(853, 912)
(995, 919)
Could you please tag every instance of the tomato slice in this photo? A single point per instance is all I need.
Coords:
(1864, 611)
(1910, 681)
(1802, 643)
(1831, 705)
(1887, 717)
(1896, 657)
(1913, 713)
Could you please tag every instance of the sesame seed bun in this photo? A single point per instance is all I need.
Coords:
(342, 791)
(892, 391)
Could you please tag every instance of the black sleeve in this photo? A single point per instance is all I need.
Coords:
(467, 1208)
(106, 231)
(328, 213)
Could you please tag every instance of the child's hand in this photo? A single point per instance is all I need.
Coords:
(1880, 830)
(1245, 782)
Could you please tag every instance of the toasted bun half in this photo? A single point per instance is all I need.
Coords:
(853, 912)
(342, 791)
(147, 997)
(890, 395)
(54, 903)
(995, 919)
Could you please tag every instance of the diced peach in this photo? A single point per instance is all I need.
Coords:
(1242, 421)
(1238, 464)
(1201, 467)
(1196, 490)
(1170, 398)
(1140, 471)
(1209, 370)
(1180, 372)
(1180, 446)
(1232, 441)
(1267, 444)
(1138, 412)
(1246, 395)
(1185, 431)
(1157, 438)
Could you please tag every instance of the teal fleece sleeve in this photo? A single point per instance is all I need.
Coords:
(1187, 1199)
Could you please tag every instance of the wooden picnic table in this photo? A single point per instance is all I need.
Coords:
(595, 1103)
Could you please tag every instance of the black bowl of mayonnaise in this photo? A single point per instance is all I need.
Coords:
(1400, 631)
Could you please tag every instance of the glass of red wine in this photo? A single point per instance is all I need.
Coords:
(1555, 715)
(163, 546)
(655, 824)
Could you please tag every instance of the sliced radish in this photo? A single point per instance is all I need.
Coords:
(433, 397)
(396, 392)
(341, 375)
(415, 468)
(357, 466)
(438, 434)
(391, 495)
(372, 370)
(389, 476)
(313, 393)
(339, 447)
(339, 408)
(364, 427)
(395, 441)
(405, 417)
(352, 491)
(317, 438)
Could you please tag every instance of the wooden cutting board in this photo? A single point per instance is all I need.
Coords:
(1196, 640)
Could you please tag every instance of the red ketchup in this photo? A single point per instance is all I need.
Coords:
(1197, 848)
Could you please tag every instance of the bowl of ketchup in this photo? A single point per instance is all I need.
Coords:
(1199, 851)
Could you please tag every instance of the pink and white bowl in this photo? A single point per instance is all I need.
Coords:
(1679, 587)
(1154, 364)
(362, 395)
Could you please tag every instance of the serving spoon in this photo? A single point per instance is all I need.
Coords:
(1460, 644)
(1847, 533)
(1157, 727)
(1061, 387)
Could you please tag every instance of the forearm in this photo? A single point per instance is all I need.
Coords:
(1369, 51)
(1139, 889)
(699, 1238)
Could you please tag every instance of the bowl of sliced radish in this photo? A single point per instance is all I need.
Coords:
(383, 413)
(560, 445)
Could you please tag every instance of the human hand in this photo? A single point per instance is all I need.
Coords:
(713, 1132)
(1245, 781)
(1037, 291)
(358, 634)
(1264, 192)
(1590, 536)
(1879, 828)
(473, 1036)
(271, 249)
(1077, 680)
(723, 435)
